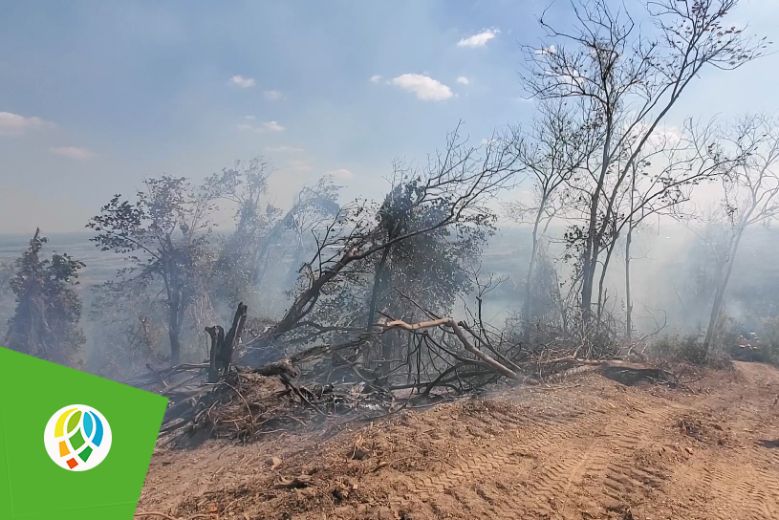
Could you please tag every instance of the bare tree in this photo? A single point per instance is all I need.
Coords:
(751, 192)
(625, 79)
(661, 180)
(554, 149)
(314, 208)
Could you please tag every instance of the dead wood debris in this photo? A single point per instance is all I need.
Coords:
(250, 403)
(245, 403)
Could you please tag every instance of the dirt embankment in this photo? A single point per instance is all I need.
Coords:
(588, 448)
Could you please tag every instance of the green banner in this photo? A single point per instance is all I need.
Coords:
(72, 445)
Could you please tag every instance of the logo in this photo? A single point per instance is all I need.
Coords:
(77, 437)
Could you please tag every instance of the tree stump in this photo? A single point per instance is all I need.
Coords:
(223, 345)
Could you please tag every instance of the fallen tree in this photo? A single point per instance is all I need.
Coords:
(248, 402)
(485, 358)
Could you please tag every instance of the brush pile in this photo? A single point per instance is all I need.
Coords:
(246, 405)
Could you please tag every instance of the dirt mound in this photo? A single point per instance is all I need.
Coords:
(590, 448)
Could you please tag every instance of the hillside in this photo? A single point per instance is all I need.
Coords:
(587, 448)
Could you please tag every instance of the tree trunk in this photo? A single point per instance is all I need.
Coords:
(628, 297)
(175, 343)
(527, 304)
(175, 313)
(592, 240)
(217, 335)
(588, 279)
(589, 263)
(379, 283)
(719, 295)
(602, 280)
(223, 345)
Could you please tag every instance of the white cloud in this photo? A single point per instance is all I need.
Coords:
(242, 81)
(272, 126)
(73, 152)
(265, 126)
(341, 174)
(284, 149)
(14, 124)
(424, 87)
(462, 80)
(479, 39)
(273, 95)
(375, 78)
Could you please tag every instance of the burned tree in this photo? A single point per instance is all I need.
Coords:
(223, 345)
(661, 181)
(624, 79)
(429, 270)
(448, 196)
(554, 149)
(750, 197)
(314, 208)
(237, 265)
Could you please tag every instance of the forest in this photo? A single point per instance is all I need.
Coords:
(396, 293)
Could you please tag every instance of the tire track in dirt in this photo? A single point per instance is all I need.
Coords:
(738, 480)
(585, 459)
(601, 451)
(571, 461)
(755, 485)
(511, 458)
(607, 474)
(734, 493)
(627, 476)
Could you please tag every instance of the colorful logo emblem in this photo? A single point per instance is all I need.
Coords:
(77, 437)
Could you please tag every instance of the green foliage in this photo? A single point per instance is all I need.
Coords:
(48, 309)
(426, 269)
(432, 267)
(164, 233)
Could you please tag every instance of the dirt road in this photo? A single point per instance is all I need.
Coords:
(584, 449)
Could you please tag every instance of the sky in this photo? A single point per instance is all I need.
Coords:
(97, 96)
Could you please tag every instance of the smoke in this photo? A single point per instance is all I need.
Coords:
(674, 268)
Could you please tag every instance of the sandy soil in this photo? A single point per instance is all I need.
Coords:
(585, 449)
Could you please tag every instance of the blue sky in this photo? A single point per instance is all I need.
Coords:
(95, 96)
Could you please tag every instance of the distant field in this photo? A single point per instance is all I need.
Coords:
(503, 254)
(755, 279)
(505, 257)
(99, 265)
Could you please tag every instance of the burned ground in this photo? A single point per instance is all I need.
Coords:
(588, 447)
